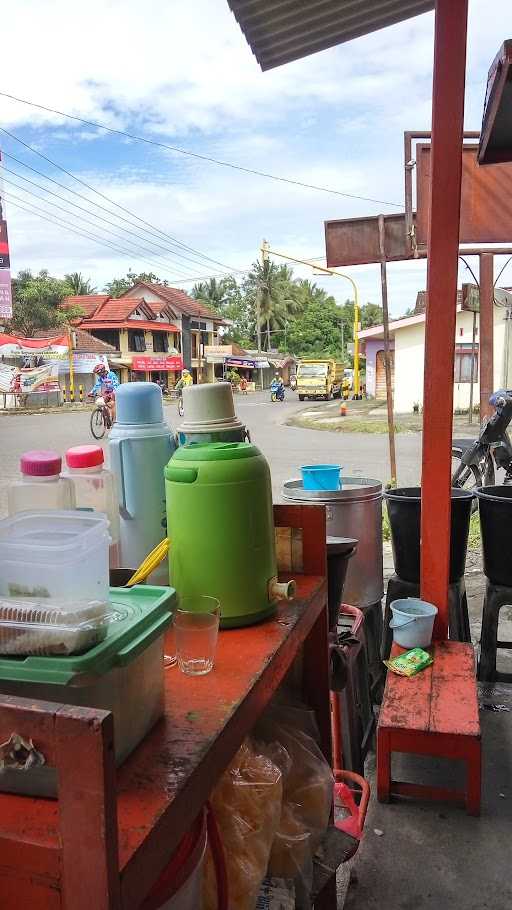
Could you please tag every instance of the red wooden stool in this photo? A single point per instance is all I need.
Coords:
(432, 713)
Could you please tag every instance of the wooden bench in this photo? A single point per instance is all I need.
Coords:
(432, 713)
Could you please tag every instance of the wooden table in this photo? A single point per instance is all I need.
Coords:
(105, 841)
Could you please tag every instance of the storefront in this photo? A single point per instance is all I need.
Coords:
(164, 370)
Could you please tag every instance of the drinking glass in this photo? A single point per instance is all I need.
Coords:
(196, 629)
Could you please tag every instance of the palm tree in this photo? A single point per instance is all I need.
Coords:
(274, 294)
(212, 293)
(78, 284)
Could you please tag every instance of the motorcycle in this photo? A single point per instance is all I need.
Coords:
(477, 460)
(276, 391)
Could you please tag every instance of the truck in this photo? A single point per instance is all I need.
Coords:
(319, 378)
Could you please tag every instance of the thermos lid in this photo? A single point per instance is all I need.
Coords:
(214, 451)
(139, 403)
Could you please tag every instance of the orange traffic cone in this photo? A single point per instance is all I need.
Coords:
(343, 409)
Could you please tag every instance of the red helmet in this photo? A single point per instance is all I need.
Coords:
(100, 368)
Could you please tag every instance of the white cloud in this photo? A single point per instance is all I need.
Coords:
(183, 72)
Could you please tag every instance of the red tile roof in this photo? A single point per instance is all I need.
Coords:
(180, 300)
(115, 309)
(89, 303)
(84, 341)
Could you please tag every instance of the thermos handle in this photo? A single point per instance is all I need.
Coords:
(121, 487)
(178, 474)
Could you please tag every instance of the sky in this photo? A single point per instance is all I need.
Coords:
(182, 74)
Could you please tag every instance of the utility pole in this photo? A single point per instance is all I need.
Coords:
(264, 259)
(387, 360)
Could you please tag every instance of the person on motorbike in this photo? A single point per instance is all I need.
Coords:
(105, 385)
(277, 387)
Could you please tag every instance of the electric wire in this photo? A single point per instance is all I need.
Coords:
(207, 158)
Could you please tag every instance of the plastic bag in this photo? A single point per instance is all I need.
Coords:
(247, 806)
(307, 793)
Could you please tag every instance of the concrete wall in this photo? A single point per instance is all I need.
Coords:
(409, 359)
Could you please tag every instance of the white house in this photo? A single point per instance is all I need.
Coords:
(407, 337)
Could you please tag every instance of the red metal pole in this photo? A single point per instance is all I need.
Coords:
(486, 341)
(443, 245)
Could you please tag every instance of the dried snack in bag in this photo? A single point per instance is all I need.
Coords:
(410, 663)
(247, 805)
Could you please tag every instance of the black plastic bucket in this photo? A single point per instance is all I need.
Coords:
(404, 510)
(495, 504)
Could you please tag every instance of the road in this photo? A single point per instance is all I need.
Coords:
(286, 448)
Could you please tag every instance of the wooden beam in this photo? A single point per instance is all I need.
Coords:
(443, 245)
(486, 340)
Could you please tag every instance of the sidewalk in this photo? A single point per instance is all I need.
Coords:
(427, 856)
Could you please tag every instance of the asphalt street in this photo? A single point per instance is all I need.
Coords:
(286, 448)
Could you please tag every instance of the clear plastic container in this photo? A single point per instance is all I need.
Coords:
(40, 485)
(95, 489)
(123, 673)
(59, 557)
(36, 627)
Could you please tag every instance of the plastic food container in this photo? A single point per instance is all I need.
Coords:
(59, 557)
(37, 627)
(124, 674)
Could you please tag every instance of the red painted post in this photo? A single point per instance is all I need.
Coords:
(486, 340)
(443, 244)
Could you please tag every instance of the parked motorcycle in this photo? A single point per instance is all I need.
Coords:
(475, 461)
(276, 390)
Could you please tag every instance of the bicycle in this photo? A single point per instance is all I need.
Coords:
(101, 420)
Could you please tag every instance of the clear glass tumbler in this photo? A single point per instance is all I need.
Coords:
(196, 629)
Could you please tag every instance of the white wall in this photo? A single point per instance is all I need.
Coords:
(410, 353)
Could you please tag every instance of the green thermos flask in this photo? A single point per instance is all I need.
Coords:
(221, 529)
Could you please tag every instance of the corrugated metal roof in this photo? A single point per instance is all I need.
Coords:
(279, 31)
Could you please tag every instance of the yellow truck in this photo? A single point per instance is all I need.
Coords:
(319, 379)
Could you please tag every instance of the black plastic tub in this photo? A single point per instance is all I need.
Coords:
(495, 505)
(404, 510)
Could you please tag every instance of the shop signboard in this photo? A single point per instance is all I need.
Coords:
(5, 293)
(4, 245)
(241, 362)
(172, 364)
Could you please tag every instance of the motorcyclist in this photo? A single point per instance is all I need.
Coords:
(105, 385)
(277, 386)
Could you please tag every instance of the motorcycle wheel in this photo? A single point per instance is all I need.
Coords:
(466, 477)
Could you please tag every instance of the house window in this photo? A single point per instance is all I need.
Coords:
(196, 324)
(111, 336)
(160, 342)
(462, 372)
(194, 345)
(136, 341)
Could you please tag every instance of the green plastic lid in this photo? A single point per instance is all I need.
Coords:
(215, 451)
(148, 613)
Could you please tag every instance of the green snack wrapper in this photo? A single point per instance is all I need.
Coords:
(410, 663)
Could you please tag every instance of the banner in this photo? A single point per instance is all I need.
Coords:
(13, 346)
(5, 293)
(148, 364)
(4, 246)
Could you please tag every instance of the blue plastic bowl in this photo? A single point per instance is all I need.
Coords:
(325, 477)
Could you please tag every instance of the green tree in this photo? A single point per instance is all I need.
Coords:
(78, 284)
(212, 293)
(272, 291)
(36, 300)
(370, 314)
(119, 286)
(317, 331)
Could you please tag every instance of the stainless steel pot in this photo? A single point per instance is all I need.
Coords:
(354, 511)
